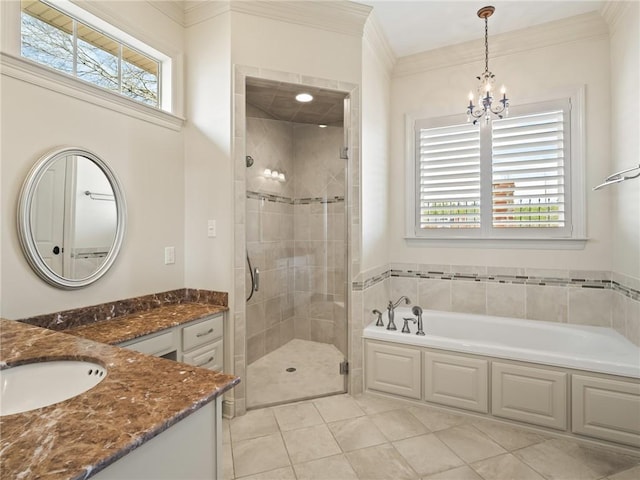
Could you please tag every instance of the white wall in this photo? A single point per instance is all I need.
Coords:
(147, 158)
(208, 163)
(625, 142)
(532, 72)
(376, 85)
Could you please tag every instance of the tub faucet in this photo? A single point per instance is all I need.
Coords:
(417, 311)
(391, 307)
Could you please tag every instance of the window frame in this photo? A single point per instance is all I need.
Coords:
(488, 236)
(168, 113)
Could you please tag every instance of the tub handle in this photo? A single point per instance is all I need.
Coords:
(405, 328)
(379, 323)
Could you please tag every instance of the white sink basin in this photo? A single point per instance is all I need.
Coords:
(36, 385)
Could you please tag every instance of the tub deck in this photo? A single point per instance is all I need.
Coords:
(582, 347)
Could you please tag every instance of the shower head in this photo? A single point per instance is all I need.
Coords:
(249, 160)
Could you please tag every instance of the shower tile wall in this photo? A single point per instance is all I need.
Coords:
(295, 235)
(319, 232)
(269, 231)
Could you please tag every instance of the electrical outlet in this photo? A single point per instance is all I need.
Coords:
(211, 228)
(169, 255)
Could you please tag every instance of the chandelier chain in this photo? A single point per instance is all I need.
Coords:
(486, 44)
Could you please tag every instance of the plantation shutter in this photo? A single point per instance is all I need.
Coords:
(529, 170)
(448, 177)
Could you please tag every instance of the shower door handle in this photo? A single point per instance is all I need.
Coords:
(256, 276)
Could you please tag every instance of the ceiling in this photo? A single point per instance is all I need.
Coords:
(414, 26)
(419, 25)
(277, 99)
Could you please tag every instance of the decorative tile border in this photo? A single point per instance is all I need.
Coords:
(507, 279)
(291, 201)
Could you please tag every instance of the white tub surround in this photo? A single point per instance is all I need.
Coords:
(575, 379)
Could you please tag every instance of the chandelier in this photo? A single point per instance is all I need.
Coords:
(486, 106)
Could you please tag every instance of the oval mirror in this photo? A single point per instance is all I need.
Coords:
(71, 217)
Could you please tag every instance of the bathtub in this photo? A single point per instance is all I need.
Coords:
(581, 347)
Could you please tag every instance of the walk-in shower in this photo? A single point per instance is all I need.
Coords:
(296, 238)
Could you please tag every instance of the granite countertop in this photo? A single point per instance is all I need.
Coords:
(128, 327)
(141, 397)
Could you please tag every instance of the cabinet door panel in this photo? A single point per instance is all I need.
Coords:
(456, 381)
(393, 369)
(606, 409)
(532, 395)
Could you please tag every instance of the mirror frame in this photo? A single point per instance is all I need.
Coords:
(25, 232)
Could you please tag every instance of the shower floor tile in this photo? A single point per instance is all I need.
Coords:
(317, 373)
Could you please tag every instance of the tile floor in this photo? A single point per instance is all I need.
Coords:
(369, 437)
(317, 373)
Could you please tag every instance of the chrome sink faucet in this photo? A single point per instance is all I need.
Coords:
(390, 310)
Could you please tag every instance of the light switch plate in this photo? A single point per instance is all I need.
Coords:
(169, 255)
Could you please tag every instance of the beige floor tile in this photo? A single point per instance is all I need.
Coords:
(227, 462)
(297, 415)
(553, 463)
(510, 438)
(427, 454)
(398, 424)
(356, 433)
(558, 458)
(330, 468)
(469, 444)
(338, 407)
(255, 423)
(372, 404)
(258, 455)
(505, 467)
(460, 473)
(382, 462)
(310, 443)
(436, 420)
(285, 473)
(226, 430)
(630, 474)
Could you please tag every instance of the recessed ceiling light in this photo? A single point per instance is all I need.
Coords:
(322, 125)
(304, 97)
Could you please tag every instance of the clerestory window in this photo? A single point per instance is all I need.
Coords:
(63, 42)
(511, 178)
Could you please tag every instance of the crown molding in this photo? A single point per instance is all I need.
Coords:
(570, 29)
(174, 9)
(375, 37)
(197, 11)
(613, 11)
(336, 16)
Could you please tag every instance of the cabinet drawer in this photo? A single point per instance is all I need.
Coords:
(393, 369)
(456, 381)
(606, 409)
(201, 333)
(156, 345)
(531, 395)
(210, 357)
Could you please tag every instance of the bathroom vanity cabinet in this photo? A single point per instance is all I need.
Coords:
(193, 440)
(598, 406)
(198, 343)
